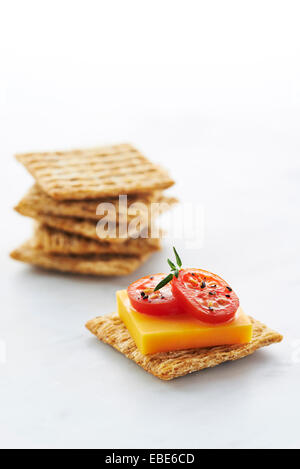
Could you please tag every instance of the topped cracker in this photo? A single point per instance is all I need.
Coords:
(95, 172)
(168, 365)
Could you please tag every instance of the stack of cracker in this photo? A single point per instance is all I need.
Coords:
(69, 187)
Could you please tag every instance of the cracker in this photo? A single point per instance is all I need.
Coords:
(94, 264)
(54, 241)
(81, 226)
(169, 365)
(42, 203)
(95, 172)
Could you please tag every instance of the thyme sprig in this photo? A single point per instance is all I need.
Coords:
(174, 271)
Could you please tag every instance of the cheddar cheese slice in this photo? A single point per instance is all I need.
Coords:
(154, 334)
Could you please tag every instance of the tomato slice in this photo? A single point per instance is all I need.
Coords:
(146, 301)
(205, 295)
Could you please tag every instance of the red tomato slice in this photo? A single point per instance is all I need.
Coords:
(144, 300)
(205, 295)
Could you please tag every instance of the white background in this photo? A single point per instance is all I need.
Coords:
(211, 90)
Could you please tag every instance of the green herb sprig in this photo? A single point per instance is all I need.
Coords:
(174, 271)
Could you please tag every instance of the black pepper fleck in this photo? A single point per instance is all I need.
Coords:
(203, 285)
(228, 288)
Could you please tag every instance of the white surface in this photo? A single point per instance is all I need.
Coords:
(213, 94)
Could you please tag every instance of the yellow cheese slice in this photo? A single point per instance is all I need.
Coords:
(154, 334)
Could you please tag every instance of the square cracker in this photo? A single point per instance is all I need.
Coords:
(93, 264)
(95, 172)
(39, 201)
(80, 226)
(84, 226)
(59, 242)
(169, 365)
